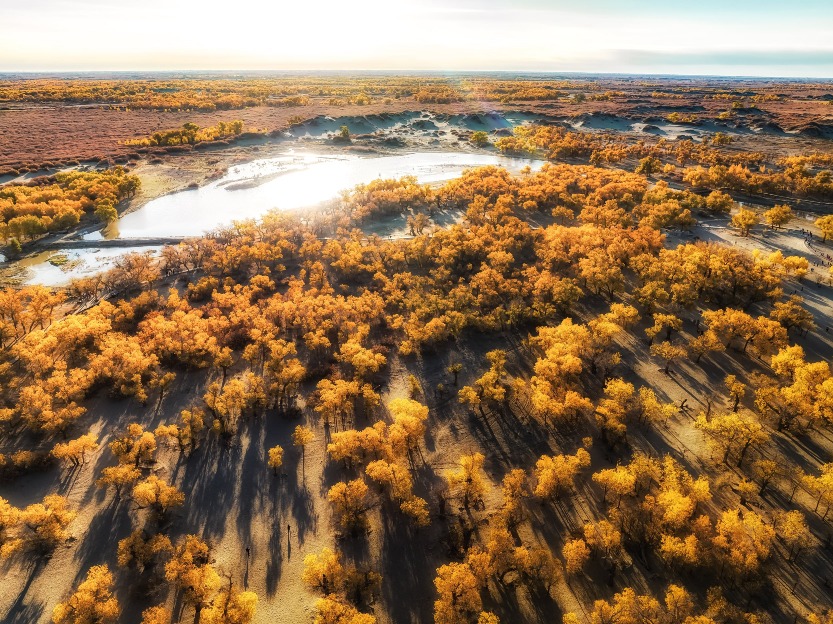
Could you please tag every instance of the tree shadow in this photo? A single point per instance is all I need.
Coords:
(68, 479)
(23, 612)
(274, 565)
(210, 480)
(507, 601)
(408, 560)
(110, 524)
(252, 480)
(274, 553)
(301, 506)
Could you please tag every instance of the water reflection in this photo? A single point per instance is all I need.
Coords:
(287, 182)
(58, 268)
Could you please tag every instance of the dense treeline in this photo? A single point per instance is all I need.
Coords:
(196, 94)
(217, 94)
(556, 142)
(795, 179)
(282, 309)
(56, 203)
(190, 134)
(211, 93)
(799, 175)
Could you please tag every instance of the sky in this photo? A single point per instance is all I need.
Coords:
(715, 37)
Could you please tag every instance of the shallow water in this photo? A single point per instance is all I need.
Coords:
(286, 182)
(79, 263)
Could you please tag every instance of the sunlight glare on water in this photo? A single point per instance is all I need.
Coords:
(78, 263)
(286, 183)
(248, 191)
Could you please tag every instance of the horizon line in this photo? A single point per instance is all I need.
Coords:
(436, 72)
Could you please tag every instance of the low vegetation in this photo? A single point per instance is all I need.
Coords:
(190, 134)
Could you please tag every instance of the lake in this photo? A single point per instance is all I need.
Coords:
(286, 182)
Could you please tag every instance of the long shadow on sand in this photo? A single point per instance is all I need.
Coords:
(108, 526)
(408, 567)
(210, 481)
(253, 478)
(23, 612)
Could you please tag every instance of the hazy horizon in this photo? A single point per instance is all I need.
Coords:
(360, 71)
(712, 38)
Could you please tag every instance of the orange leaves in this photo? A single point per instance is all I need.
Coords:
(40, 525)
(467, 479)
(275, 458)
(459, 594)
(155, 493)
(555, 474)
(734, 433)
(74, 451)
(184, 336)
(350, 502)
(189, 134)
(93, 601)
(29, 211)
(126, 364)
(385, 449)
(743, 539)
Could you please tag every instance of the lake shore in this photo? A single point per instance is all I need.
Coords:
(284, 180)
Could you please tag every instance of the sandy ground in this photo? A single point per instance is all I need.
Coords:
(235, 502)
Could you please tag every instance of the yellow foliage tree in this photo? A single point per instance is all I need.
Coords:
(350, 502)
(791, 527)
(777, 216)
(324, 571)
(155, 493)
(275, 458)
(333, 609)
(118, 477)
(189, 569)
(141, 550)
(467, 478)
(92, 602)
(605, 539)
(75, 450)
(734, 433)
(302, 437)
(619, 481)
(555, 474)
(459, 594)
(575, 554)
(743, 541)
(156, 615)
(230, 606)
(744, 220)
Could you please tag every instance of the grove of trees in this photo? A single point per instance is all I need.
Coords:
(628, 410)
